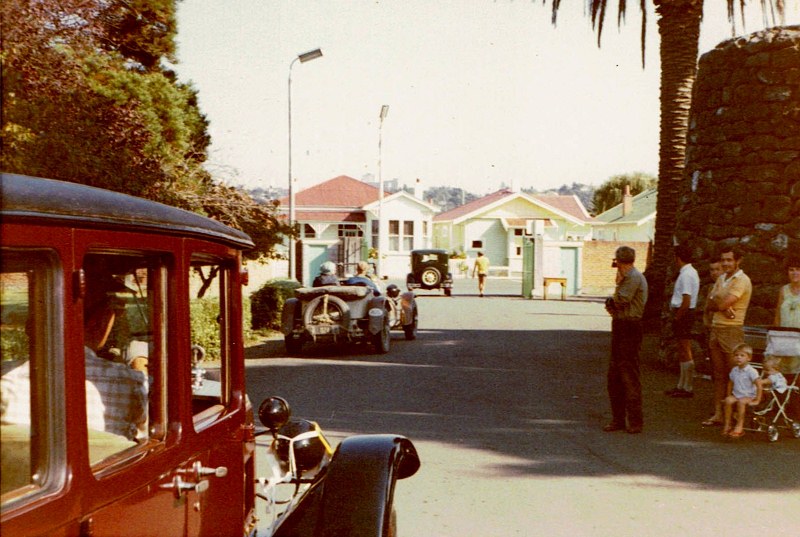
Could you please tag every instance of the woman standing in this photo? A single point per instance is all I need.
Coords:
(787, 314)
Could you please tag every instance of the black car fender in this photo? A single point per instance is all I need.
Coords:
(354, 496)
(290, 315)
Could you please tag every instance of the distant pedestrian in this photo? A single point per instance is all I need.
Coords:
(626, 307)
(728, 302)
(481, 268)
(683, 305)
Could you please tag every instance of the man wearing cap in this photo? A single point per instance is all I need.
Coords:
(626, 308)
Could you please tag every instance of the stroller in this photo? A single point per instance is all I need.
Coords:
(771, 414)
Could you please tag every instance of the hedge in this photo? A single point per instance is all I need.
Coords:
(266, 304)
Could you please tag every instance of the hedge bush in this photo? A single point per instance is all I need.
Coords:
(205, 328)
(266, 304)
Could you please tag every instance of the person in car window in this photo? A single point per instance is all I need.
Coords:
(119, 403)
(327, 275)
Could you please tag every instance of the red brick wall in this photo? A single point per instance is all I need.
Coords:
(597, 274)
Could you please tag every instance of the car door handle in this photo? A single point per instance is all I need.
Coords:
(180, 487)
(201, 471)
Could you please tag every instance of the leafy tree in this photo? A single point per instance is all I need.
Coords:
(448, 197)
(609, 194)
(679, 28)
(85, 99)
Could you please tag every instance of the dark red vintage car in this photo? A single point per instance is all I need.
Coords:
(123, 407)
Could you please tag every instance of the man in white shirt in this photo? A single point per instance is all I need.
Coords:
(682, 305)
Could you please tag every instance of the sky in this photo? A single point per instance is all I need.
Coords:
(481, 93)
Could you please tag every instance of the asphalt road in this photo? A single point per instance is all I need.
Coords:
(505, 398)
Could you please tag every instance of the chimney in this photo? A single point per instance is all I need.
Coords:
(417, 189)
(627, 201)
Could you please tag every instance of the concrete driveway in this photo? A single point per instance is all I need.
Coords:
(504, 399)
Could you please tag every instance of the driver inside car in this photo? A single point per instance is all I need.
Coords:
(118, 404)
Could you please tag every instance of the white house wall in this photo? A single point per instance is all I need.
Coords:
(396, 264)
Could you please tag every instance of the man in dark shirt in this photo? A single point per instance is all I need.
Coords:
(626, 307)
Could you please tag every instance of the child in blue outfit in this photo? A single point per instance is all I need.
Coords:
(743, 390)
(771, 377)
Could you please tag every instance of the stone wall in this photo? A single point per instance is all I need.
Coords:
(742, 182)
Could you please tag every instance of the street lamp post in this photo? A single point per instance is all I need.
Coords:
(384, 113)
(303, 58)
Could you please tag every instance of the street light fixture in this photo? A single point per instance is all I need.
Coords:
(303, 58)
(384, 113)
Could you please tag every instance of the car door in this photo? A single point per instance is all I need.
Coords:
(218, 414)
(133, 482)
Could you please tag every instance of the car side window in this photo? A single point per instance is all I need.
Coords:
(209, 325)
(31, 386)
(124, 316)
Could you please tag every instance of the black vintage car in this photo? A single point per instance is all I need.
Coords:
(430, 269)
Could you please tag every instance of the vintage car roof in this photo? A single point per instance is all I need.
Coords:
(429, 251)
(29, 198)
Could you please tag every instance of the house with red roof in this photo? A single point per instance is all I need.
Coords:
(499, 224)
(343, 220)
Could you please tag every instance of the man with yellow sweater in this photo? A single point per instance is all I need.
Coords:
(727, 305)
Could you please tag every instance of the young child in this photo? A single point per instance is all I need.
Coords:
(771, 378)
(742, 389)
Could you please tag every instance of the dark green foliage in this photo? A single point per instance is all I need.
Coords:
(266, 304)
(87, 98)
(609, 194)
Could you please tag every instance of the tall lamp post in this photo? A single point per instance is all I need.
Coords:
(303, 58)
(384, 113)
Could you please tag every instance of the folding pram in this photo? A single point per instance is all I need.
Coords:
(771, 415)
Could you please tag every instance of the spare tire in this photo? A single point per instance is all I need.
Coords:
(431, 277)
(336, 311)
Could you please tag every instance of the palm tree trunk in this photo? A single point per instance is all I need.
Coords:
(679, 27)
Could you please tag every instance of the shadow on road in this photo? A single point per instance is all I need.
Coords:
(519, 395)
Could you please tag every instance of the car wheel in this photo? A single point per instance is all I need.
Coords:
(411, 328)
(409, 281)
(327, 309)
(431, 276)
(381, 340)
(294, 345)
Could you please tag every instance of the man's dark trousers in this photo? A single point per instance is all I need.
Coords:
(624, 384)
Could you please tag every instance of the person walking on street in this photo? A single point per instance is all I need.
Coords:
(626, 307)
(683, 304)
(481, 267)
(727, 302)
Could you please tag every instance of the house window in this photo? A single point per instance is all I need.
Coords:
(376, 237)
(308, 231)
(425, 229)
(518, 232)
(408, 235)
(477, 244)
(350, 230)
(519, 251)
(394, 235)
